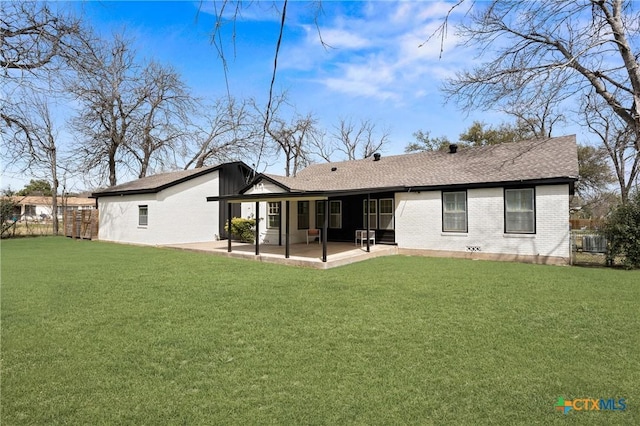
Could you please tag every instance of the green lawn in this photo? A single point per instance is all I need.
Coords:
(97, 333)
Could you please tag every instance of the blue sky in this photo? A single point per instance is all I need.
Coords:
(374, 69)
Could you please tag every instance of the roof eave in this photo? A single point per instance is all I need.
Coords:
(159, 188)
(303, 194)
(507, 183)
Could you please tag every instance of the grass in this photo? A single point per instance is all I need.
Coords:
(97, 333)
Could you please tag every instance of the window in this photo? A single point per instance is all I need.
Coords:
(335, 214)
(454, 211)
(29, 210)
(386, 213)
(319, 214)
(143, 215)
(373, 216)
(519, 211)
(273, 214)
(303, 215)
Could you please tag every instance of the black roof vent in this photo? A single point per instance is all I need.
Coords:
(333, 169)
(376, 156)
(453, 148)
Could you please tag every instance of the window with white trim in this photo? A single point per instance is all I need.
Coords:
(303, 215)
(320, 214)
(386, 213)
(273, 214)
(335, 214)
(454, 211)
(143, 215)
(373, 216)
(519, 211)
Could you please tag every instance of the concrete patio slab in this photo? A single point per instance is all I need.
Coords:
(305, 255)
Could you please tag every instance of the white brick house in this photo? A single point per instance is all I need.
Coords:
(508, 201)
(170, 208)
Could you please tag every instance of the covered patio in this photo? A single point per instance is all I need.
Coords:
(283, 202)
(300, 254)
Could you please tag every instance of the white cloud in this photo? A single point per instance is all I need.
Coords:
(340, 38)
(373, 78)
(380, 50)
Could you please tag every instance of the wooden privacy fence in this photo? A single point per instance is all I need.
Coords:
(81, 224)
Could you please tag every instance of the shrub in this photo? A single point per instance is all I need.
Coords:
(7, 216)
(622, 230)
(242, 229)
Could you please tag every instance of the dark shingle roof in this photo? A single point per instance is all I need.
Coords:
(155, 183)
(540, 159)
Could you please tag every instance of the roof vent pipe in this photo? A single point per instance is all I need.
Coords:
(333, 169)
(376, 156)
(453, 148)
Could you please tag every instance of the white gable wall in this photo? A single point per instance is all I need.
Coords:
(178, 214)
(419, 223)
(270, 235)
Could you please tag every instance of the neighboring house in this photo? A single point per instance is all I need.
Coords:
(32, 207)
(170, 208)
(508, 201)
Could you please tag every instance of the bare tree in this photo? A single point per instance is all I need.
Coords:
(290, 136)
(538, 114)
(163, 117)
(358, 141)
(618, 140)
(34, 36)
(131, 115)
(31, 143)
(321, 147)
(40, 45)
(229, 132)
(109, 92)
(229, 11)
(553, 49)
(36, 43)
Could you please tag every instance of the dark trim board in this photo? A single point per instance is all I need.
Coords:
(293, 194)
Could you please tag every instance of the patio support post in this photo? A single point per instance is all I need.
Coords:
(286, 230)
(257, 228)
(325, 226)
(366, 213)
(280, 223)
(229, 227)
